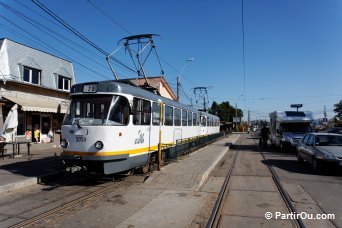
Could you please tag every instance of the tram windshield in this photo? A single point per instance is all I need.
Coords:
(90, 110)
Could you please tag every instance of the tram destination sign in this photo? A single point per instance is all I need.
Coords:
(90, 88)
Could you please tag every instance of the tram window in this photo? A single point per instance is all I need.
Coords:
(88, 110)
(155, 113)
(119, 113)
(190, 119)
(184, 118)
(203, 121)
(141, 112)
(194, 119)
(177, 117)
(168, 120)
(78, 108)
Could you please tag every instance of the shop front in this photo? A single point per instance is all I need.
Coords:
(38, 119)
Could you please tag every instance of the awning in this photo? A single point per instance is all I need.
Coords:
(40, 104)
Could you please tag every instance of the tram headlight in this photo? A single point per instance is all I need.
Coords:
(99, 145)
(64, 143)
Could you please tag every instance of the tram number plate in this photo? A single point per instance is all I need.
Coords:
(81, 139)
(90, 88)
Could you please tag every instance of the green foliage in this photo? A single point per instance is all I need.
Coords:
(338, 109)
(225, 111)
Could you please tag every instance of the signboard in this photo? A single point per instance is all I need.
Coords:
(296, 105)
(236, 119)
(91, 88)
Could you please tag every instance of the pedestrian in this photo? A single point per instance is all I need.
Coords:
(36, 135)
(265, 132)
(50, 135)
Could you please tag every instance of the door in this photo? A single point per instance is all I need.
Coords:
(46, 125)
(35, 127)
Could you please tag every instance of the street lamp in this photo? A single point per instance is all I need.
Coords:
(178, 78)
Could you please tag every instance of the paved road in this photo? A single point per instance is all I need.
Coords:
(310, 191)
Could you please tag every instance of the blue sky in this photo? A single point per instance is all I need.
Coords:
(293, 49)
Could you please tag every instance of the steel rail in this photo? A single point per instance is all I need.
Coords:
(74, 202)
(213, 217)
(282, 191)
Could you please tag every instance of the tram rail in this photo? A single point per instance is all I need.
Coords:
(109, 187)
(214, 218)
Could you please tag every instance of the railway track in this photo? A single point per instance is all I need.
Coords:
(216, 212)
(64, 209)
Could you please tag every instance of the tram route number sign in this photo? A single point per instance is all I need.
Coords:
(91, 88)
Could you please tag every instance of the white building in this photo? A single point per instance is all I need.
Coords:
(38, 82)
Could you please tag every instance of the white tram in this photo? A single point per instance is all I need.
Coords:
(112, 126)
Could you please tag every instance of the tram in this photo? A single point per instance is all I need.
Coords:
(112, 126)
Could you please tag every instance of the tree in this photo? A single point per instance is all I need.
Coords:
(338, 109)
(225, 111)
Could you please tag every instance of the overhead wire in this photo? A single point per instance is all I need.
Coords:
(42, 27)
(126, 30)
(243, 50)
(60, 26)
(52, 48)
(108, 16)
(185, 94)
(78, 34)
(46, 29)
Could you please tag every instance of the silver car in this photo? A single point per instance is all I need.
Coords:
(320, 148)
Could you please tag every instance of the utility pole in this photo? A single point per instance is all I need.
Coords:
(325, 112)
(249, 120)
(236, 115)
(180, 74)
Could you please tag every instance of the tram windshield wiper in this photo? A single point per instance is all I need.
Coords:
(77, 123)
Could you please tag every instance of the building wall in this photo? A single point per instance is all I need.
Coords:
(13, 56)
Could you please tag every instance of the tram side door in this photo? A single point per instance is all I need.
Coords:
(204, 129)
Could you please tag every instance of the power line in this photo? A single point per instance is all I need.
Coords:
(41, 27)
(243, 51)
(108, 16)
(52, 48)
(28, 19)
(78, 34)
(187, 97)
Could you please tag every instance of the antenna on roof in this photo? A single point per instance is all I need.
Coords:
(296, 106)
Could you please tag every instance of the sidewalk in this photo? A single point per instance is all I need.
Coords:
(23, 170)
(172, 197)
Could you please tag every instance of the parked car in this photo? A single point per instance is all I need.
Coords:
(336, 130)
(319, 149)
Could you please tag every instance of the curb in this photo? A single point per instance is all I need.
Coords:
(212, 166)
(18, 185)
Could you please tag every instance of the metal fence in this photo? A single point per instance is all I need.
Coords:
(185, 147)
